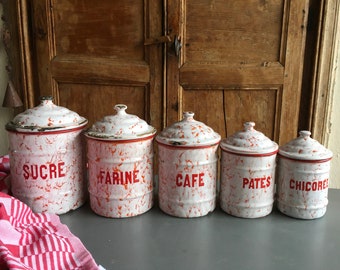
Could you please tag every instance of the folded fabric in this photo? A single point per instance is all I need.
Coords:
(38, 241)
(4, 174)
(4, 163)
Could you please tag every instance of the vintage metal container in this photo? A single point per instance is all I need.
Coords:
(187, 168)
(248, 173)
(46, 156)
(303, 177)
(120, 165)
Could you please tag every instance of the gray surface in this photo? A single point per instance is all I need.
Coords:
(155, 240)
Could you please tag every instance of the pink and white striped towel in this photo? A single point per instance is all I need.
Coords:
(38, 241)
(4, 174)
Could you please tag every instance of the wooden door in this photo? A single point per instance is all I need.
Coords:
(90, 55)
(239, 61)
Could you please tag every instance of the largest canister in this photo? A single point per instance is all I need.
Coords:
(248, 173)
(46, 156)
(120, 165)
(187, 168)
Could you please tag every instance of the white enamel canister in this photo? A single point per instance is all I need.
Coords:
(303, 177)
(120, 165)
(46, 156)
(187, 168)
(248, 173)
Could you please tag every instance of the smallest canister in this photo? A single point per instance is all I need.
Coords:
(303, 176)
(248, 173)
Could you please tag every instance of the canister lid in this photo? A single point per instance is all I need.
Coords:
(46, 117)
(249, 141)
(188, 132)
(305, 148)
(121, 126)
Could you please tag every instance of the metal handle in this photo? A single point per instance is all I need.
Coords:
(178, 45)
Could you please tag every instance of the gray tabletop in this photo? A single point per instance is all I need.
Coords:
(155, 240)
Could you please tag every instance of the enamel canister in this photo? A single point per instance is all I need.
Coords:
(46, 158)
(248, 173)
(187, 153)
(120, 165)
(303, 177)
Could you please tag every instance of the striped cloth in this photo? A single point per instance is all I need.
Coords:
(4, 173)
(37, 241)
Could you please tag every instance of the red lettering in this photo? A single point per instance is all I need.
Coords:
(309, 185)
(251, 184)
(186, 181)
(256, 183)
(194, 180)
(101, 177)
(44, 171)
(118, 178)
(128, 177)
(245, 182)
(53, 171)
(263, 184)
(26, 171)
(34, 172)
(190, 180)
(115, 176)
(135, 174)
(314, 186)
(179, 177)
(61, 169)
(107, 178)
(201, 180)
(299, 185)
(325, 183)
(43, 175)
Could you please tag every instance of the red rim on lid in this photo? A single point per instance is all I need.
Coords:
(46, 117)
(121, 126)
(249, 142)
(305, 148)
(188, 133)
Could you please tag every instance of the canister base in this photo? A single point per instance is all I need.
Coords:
(301, 213)
(246, 212)
(58, 207)
(187, 210)
(121, 208)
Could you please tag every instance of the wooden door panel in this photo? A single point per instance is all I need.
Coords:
(91, 56)
(232, 31)
(227, 110)
(112, 29)
(89, 100)
(249, 51)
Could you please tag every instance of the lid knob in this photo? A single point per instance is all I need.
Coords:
(42, 98)
(305, 134)
(249, 126)
(120, 109)
(46, 100)
(188, 116)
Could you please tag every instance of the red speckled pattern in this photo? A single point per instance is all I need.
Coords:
(47, 170)
(187, 180)
(120, 177)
